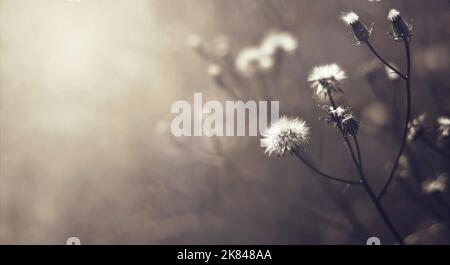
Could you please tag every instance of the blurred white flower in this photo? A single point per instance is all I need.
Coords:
(222, 45)
(194, 41)
(252, 60)
(214, 70)
(279, 41)
(285, 135)
(391, 75)
(326, 78)
(404, 167)
(444, 126)
(435, 185)
(377, 114)
(416, 127)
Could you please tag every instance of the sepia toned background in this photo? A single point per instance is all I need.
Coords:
(85, 147)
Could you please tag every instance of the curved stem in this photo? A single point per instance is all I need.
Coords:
(405, 128)
(318, 171)
(372, 49)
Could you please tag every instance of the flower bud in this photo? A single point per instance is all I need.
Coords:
(360, 31)
(350, 125)
(401, 30)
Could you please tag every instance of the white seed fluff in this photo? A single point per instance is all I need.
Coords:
(285, 135)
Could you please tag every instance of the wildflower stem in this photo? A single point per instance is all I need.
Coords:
(372, 49)
(315, 169)
(347, 142)
(373, 197)
(433, 146)
(405, 128)
(358, 164)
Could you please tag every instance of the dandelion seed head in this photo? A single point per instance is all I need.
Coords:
(393, 14)
(326, 78)
(435, 185)
(285, 135)
(350, 18)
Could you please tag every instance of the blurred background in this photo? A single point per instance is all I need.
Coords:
(86, 150)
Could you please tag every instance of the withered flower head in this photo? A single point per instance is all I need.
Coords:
(343, 118)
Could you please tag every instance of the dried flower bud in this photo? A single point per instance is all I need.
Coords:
(360, 31)
(350, 125)
(400, 28)
(343, 118)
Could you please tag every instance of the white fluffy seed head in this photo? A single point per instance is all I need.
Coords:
(350, 18)
(285, 135)
(326, 78)
(327, 72)
(393, 15)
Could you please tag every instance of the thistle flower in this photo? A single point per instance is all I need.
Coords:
(279, 41)
(435, 185)
(285, 135)
(416, 127)
(401, 30)
(444, 126)
(360, 31)
(325, 79)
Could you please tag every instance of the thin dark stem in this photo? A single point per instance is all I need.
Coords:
(318, 171)
(372, 49)
(405, 128)
(373, 197)
(433, 146)
(347, 142)
(358, 152)
(382, 213)
(358, 164)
